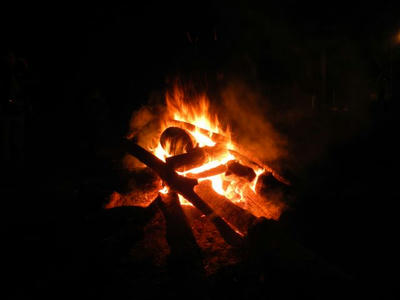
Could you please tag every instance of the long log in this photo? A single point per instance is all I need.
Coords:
(179, 235)
(253, 162)
(238, 217)
(195, 158)
(187, 161)
(216, 137)
(185, 259)
(184, 186)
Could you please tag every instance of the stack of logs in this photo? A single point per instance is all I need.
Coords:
(231, 220)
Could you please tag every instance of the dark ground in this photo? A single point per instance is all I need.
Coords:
(87, 76)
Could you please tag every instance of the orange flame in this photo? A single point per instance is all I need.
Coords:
(197, 112)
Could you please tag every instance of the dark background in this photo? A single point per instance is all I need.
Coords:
(78, 71)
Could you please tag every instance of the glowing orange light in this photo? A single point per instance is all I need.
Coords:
(198, 113)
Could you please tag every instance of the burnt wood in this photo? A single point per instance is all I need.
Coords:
(179, 235)
(239, 170)
(175, 140)
(184, 186)
(238, 217)
(243, 157)
(195, 158)
(261, 206)
(187, 161)
(216, 137)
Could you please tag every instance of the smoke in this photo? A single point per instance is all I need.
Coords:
(145, 128)
(247, 113)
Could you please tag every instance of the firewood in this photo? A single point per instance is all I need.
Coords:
(187, 161)
(195, 158)
(175, 140)
(216, 137)
(244, 160)
(243, 157)
(208, 173)
(241, 154)
(240, 170)
(179, 235)
(261, 206)
(238, 217)
(184, 186)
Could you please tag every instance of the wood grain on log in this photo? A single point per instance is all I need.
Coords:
(260, 206)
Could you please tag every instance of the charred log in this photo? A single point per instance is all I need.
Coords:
(243, 157)
(239, 170)
(216, 137)
(245, 160)
(238, 217)
(175, 140)
(187, 161)
(195, 158)
(184, 186)
(179, 234)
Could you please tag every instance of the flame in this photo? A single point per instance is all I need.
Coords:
(196, 111)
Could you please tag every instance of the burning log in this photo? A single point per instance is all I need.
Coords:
(184, 186)
(195, 158)
(240, 170)
(208, 173)
(175, 140)
(216, 137)
(244, 160)
(257, 164)
(238, 217)
(239, 153)
(185, 259)
(187, 161)
(180, 237)
(260, 206)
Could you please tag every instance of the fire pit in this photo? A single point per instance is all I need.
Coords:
(201, 173)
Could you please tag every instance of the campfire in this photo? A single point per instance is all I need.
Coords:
(198, 161)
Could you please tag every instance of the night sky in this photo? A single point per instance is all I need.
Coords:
(87, 68)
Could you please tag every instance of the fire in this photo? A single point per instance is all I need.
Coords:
(197, 112)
